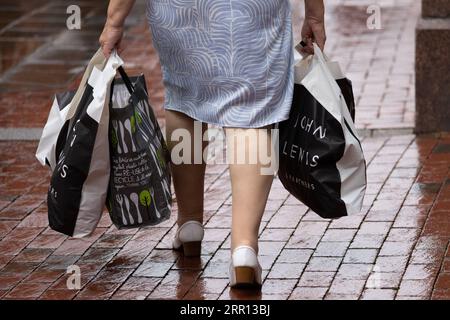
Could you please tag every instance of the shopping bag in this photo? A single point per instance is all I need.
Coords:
(49, 147)
(61, 112)
(139, 189)
(76, 148)
(321, 161)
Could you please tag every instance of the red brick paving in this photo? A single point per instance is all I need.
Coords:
(397, 248)
(380, 62)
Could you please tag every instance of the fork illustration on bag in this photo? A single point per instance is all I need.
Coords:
(116, 136)
(125, 210)
(119, 199)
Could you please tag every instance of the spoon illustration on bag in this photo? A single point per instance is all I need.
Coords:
(122, 135)
(127, 125)
(127, 205)
(135, 198)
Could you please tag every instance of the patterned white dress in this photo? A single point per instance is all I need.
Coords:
(225, 62)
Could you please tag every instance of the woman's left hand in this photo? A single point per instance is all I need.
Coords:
(314, 26)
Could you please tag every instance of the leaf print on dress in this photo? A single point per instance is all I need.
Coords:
(225, 62)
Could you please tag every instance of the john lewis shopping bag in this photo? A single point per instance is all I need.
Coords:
(321, 160)
(75, 146)
(49, 147)
(55, 130)
(139, 189)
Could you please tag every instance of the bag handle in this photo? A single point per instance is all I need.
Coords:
(321, 59)
(97, 60)
(126, 80)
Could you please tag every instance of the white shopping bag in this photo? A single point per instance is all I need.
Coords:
(47, 150)
(76, 147)
(59, 117)
(321, 160)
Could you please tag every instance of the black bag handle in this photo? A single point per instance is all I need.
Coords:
(126, 79)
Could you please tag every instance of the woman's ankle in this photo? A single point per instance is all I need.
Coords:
(248, 243)
(184, 219)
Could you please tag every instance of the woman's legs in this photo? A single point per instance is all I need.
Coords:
(188, 178)
(250, 187)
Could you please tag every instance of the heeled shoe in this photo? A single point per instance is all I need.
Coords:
(245, 270)
(189, 237)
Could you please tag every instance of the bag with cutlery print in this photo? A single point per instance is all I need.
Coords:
(139, 189)
(74, 144)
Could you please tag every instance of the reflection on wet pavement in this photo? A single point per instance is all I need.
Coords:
(397, 248)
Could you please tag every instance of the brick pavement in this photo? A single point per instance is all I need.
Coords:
(397, 248)
(380, 62)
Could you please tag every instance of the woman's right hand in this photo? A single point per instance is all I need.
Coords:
(111, 38)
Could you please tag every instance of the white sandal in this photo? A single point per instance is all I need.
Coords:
(189, 237)
(245, 270)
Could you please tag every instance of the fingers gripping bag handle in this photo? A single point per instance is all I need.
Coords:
(302, 66)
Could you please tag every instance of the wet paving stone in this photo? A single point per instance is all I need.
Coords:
(415, 288)
(316, 279)
(98, 255)
(286, 271)
(295, 255)
(331, 249)
(113, 275)
(95, 291)
(378, 294)
(152, 269)
(27, 291)
(9, 281)
(308, 293)
(365, 256)
(58, 262)
(190, 263)
(209, 286)
(124, 261)
(323, 264)
(140, 284)
(112, 241)
(44, 274)
(129, 295)
(168, 292)
(58, 294)
(19, 268)
(345, 287)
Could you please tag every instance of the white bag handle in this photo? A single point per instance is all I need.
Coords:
(321, 59)
(302, 67)
(98, 60)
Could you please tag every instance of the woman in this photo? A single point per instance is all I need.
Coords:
(228, 63)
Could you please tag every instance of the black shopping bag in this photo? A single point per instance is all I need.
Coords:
(321, 161)
(139, 189)
(74, 144)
